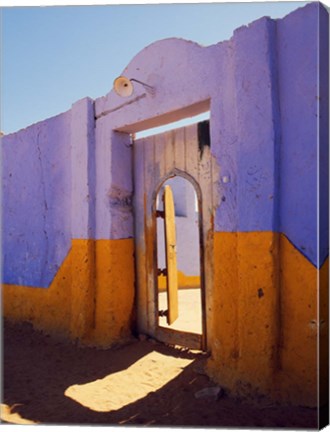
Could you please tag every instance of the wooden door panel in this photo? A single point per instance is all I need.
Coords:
(171, 260)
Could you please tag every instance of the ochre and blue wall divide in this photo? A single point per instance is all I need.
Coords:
(57, 273)
(68, 238)
(268, 248)
(36, 202)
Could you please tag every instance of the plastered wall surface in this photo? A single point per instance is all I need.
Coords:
(36, 223)
(69, 266)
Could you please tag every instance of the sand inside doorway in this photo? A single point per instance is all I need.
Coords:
(190, 311)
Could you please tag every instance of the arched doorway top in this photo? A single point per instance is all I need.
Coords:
(178, 173)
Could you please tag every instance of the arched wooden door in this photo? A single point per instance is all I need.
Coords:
(157, 158)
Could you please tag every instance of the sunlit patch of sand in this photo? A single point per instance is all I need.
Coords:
(117, 390)
(13, 417)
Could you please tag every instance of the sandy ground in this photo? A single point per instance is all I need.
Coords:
(190, 310)
(142, 383)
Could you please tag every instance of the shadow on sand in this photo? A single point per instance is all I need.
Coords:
(38, 370)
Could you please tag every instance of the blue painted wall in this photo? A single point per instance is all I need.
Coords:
(268, 146)
(323, 158)
(36, 201)
(298, 76)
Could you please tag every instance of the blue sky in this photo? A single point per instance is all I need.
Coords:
(54, 56)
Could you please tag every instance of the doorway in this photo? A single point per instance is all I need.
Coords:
(186, 231)
(182, 154)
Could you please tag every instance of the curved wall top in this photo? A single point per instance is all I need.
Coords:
(184, 75)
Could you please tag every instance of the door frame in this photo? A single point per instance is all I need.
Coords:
(156, 158)
(191, 339)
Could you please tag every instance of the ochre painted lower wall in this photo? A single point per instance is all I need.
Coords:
(324, 333)
(115, 291)
(264, 318)
(184, 281)
(90, 299)
(299, 328)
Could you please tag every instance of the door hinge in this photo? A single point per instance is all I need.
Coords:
(160, 213)
(162, 272)
(163, 313)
